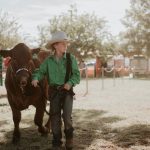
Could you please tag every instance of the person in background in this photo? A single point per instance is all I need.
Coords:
(61, 97)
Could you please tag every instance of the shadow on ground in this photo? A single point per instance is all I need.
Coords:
(89, 125)
(138, 134)
(30, 140)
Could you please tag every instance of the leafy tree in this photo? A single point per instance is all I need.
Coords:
(87, 32)
(137, 23)
(9, 35)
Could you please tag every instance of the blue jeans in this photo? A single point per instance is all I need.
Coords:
(59, 103)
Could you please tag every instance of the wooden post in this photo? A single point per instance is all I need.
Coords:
(102, 78)
(86, 79)
(114, 76)
(1, 76)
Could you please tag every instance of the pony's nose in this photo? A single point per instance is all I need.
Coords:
(23, 83)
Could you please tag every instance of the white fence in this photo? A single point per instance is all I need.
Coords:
(112, 70)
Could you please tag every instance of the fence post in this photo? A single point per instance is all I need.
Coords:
(134, 72)
(130, 73)
(122, 68)
(102, 78)
(114, 76)
(86, 79)
(1, 77)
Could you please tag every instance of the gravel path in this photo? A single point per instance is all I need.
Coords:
(127, 98)
(115, 116)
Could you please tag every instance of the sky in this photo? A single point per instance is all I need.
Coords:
(31, 13)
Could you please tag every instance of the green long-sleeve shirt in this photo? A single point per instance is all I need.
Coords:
(55, 71)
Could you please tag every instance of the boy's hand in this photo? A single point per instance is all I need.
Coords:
(35, 83)
(67, 86)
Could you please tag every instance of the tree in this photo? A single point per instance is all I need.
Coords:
(9, 35)
(137, 23)
(86, 31)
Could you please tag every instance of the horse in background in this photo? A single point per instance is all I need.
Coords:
(39, 56)
(20, 92)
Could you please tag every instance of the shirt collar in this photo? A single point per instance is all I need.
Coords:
(64, 56)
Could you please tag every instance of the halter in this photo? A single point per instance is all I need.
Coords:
(20, 69)
(16, 72)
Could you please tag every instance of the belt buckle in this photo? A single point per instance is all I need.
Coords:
(58, 87)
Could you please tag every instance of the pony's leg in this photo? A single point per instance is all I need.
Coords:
(16, 119)
(38, 119)
(48, 124)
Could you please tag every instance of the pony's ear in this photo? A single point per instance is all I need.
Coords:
(6, 53)
(35, 51)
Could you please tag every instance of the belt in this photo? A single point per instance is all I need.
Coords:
(59, 88)
(55, 87)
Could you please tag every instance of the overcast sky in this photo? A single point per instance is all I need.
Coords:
(30, 13)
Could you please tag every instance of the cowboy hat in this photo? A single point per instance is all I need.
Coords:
(58, 36)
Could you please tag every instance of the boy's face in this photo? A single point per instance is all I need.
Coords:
(61, 46)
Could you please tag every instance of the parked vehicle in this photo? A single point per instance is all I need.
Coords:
(140, 66)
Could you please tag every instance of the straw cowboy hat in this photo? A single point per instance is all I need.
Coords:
(58, 36)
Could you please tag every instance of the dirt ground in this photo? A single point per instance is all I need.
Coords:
(113, 115)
